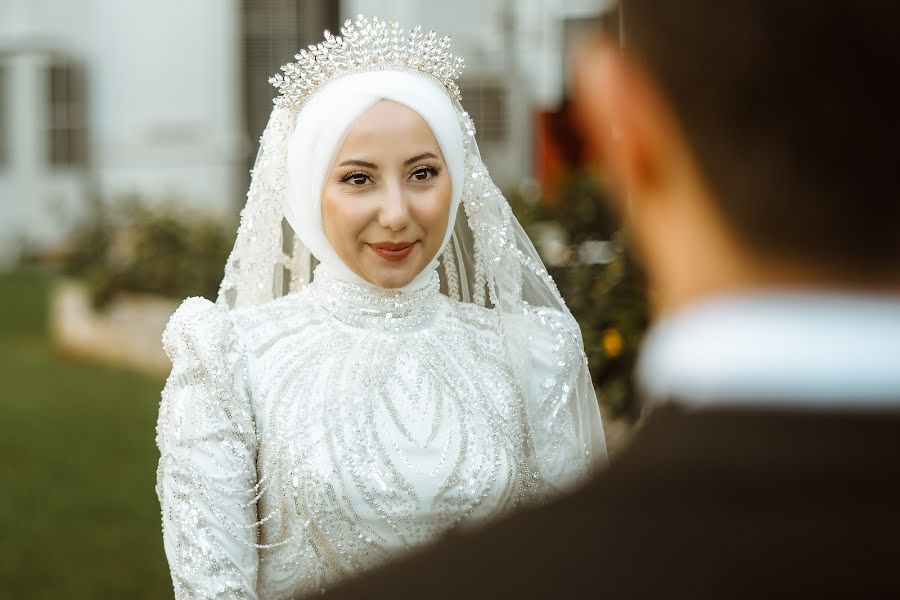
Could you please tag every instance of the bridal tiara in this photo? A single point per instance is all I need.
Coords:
(367, 45)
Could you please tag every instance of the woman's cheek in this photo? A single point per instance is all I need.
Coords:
(359, 216)
(435, 212)
(338, 208)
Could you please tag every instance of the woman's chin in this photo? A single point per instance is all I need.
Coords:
(391, 280)
(391, 276)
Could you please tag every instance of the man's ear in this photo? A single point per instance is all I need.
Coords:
(624, 117)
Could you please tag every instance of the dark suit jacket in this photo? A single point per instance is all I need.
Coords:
(709, 504)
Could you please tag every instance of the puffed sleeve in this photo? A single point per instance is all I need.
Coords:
(567, 441)
(206, 480)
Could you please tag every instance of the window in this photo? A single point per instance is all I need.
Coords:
(487, 104)
(274, 31)
(65, 120)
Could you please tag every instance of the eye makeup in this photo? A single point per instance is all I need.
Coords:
(432, 170)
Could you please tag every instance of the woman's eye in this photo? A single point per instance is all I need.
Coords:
(357, 178)
(422, 174)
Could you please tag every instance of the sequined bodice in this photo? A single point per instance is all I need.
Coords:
(320, 434)
(384, 419)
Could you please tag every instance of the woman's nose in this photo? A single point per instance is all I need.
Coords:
(394, 212)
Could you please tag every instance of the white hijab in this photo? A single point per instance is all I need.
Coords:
(321, 127)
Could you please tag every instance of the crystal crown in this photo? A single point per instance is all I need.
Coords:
(367, 45)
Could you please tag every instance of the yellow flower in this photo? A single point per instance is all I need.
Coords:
(612, 343)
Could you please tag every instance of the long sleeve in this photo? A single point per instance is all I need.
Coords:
(567, 440)
(206, 480)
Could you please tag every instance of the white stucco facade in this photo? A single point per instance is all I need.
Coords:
(161, 104)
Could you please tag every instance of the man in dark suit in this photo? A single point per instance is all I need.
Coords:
(752, 146)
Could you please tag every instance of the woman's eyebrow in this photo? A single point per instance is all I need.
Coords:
(419, 157)
(358, 163)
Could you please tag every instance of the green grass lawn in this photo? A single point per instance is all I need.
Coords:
(78, 511)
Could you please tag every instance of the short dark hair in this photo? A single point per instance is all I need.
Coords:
(792, 111)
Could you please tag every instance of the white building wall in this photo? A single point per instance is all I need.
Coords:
(163, 110)
(165, 113)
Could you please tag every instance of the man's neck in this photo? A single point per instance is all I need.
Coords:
(677, 288)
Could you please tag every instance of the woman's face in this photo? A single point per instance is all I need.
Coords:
(386, 199)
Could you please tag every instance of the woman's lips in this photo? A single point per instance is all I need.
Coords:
(393, 250)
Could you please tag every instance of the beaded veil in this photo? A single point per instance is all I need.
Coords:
(489, 261)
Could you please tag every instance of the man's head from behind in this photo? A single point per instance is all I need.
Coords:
(753, 142)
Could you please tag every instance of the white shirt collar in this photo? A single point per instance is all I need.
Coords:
(838, 351)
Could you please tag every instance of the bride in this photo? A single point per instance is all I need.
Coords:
(387, 359)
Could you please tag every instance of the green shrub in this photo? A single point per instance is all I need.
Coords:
(150, 250)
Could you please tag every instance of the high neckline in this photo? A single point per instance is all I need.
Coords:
(371, 307)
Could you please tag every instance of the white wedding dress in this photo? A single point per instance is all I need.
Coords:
(324, 432)
(315, 425)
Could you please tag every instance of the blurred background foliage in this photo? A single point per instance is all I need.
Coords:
(162, 250)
